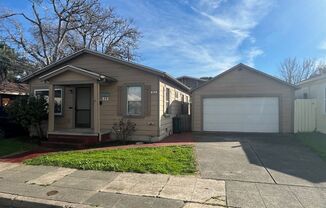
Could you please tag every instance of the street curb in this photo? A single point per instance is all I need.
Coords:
(16, 201)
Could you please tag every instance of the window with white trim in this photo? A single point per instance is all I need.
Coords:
(58, 94)
(167, 101)
(325, 100)
(176, 94)
(134, 100)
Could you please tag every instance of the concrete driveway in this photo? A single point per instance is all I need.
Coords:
(263, 170)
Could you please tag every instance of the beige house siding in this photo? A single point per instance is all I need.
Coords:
(242, 83)
(165, 120)
(316, 90)
(66, 120)
(147, 128)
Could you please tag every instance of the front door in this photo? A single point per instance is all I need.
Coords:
(83, 107)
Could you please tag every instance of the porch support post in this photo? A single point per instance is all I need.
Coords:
(51, 108)
(97, 125)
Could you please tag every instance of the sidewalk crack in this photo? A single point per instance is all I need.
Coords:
(261, 196)
(261, 161)
(295, 196)
(159, 192)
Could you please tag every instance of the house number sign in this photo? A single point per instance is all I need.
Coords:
(105, 96)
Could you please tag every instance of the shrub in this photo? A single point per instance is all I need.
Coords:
(123, 129)
(29, 111)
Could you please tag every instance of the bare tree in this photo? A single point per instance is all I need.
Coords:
(102, 30)
(294, 71)
(56, 28)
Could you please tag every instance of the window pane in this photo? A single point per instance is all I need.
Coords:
(58, 102)
(42, 93)
(134, 100)
(134, 93)
(167, 101)
(134, 107)
(57, 99)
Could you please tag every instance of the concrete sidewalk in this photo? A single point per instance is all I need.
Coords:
(32, 186)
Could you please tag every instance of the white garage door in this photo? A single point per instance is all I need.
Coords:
(250, 114)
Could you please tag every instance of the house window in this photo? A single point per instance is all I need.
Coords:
(325, 100)
(183, 98)
(57, 98)
(134, 99)
(187, 101)
(176, 94)
(167, 100)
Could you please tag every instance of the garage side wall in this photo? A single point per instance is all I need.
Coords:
(245, 83)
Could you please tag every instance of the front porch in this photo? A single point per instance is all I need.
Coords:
(74, 119)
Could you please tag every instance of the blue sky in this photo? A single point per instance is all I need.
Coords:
(206, 37)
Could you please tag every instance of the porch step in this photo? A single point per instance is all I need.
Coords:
(63, 145)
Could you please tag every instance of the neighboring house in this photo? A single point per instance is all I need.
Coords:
(243, 99)
(191, 82)
(88, 92)
(315, 88)
(9, 91)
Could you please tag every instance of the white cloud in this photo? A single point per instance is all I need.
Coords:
(199, 38)
(252, 54)
(322, 45)
(213, 4)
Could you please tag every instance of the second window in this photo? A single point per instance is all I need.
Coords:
(134, 100)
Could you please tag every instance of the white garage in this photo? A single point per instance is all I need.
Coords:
(241, 114)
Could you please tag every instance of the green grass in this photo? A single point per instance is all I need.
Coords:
(315, 141)
(175, 160)
(14, 145)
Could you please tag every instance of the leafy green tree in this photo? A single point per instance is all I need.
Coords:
(29, 111)
(12, 64)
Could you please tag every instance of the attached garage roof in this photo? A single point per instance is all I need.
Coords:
(245, 67)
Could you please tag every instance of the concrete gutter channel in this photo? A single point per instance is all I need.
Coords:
(16, 201)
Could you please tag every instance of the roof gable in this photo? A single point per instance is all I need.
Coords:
(110, 58)
(245, 67)
(313, 79)
(77, 70)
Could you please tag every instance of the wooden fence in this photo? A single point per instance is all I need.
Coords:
(304, 115)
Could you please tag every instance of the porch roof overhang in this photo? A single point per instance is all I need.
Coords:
(78, 70)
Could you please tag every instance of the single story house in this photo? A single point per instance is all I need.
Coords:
(191, 82)
(89, 91)
(315, 88)
(9, 91)
(243, 99)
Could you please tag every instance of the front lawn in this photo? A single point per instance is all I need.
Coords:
(315, 141)
(176, 160)
(15, 145)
